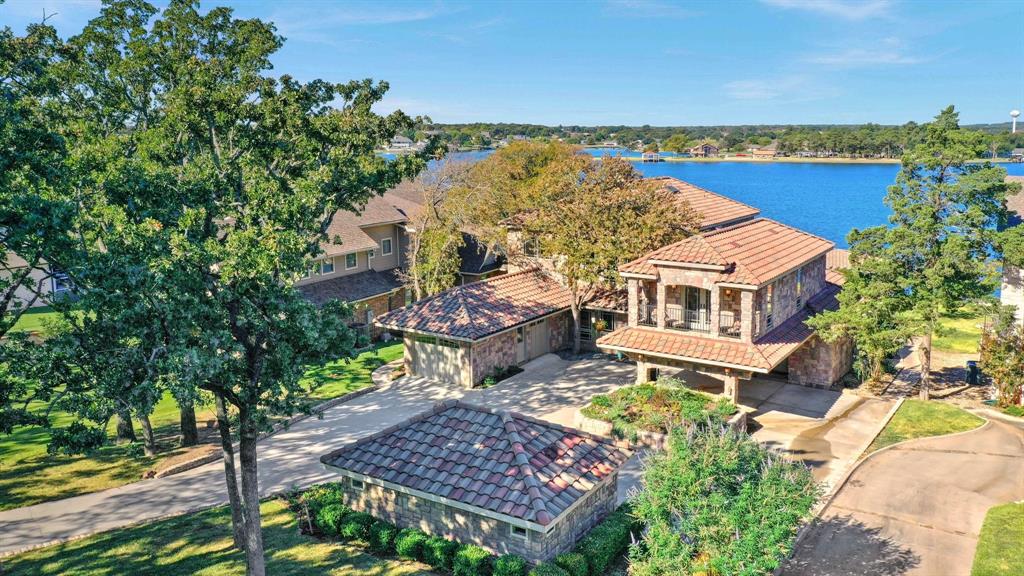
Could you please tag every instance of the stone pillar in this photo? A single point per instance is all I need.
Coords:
(641, 372)
(633, 305)
(746, 315)
(661, 305)
(715, 309)
(731, 390)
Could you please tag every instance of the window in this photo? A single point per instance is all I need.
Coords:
(518, 532)
(327, 266)
(769, 294)
(799, 286)
(370, 254)
(426, 339)
(351, 261)
(61, 282)
(447, 343)
(357, 484)
(385, 246)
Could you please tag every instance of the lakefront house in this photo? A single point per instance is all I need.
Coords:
(1011, 291)
(729, 301)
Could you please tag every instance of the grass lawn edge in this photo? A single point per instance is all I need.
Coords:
(876, 446)
(998, 550)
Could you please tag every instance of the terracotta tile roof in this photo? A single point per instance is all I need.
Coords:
(762, 355)
(754, 252)
(612, 300)
(476, 310)
(715, 209)
(496, 461)
(837, 259)
(352, 288)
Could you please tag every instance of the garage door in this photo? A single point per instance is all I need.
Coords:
(539, 338)
(436, 359)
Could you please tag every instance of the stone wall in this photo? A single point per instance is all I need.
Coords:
(490, 353)
(440, 519)
(379, 305)
(785, 300)
(819, 364)
(560, 328)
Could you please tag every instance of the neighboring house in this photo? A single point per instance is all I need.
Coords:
(704, 150)
(478, 262)
(362, 258)
(41, 285)
(1017, 155)
(732, 302)
(400, 143)
(466, 333)
(509, 483)
(1011, 292)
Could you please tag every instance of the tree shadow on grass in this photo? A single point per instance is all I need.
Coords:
(843, 546)
(200, 543)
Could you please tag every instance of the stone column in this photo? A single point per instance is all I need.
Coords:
(746, 315)
(661, 305)
(641, 372)
(633, 305)
(715, 309)
(731, 390)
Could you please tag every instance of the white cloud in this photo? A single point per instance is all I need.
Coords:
(887, 52)
(646, 9)
(845, 9)
(784, 89)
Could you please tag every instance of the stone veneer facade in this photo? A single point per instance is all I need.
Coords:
(379, 305)
(820, 364)
(442, 519)
(785, 302)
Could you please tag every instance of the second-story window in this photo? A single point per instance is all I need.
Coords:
(769, 296)
(799, 286)
(351, 261)
(385, 246)
(327, 266)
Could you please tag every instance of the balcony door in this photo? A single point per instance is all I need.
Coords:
(697, 314)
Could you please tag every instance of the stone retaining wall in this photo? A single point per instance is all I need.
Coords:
(644, 438)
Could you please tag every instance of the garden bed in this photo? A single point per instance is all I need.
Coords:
(645, 413)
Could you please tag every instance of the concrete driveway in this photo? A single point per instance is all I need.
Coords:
(916, 508)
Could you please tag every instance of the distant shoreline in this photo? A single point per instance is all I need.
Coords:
(780, 159)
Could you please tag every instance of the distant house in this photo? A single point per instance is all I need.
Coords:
(1012, 291)
(40, 285)
(1017, 155)
(478, 262)
(704, 150)
(401, 143)
(768, 151)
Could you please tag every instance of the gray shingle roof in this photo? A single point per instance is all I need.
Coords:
(500, 462)
(351, 288)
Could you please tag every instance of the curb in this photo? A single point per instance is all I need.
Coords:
(315, 411)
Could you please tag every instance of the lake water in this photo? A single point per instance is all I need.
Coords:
(825, 199)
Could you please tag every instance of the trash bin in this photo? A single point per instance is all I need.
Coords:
(973, 374)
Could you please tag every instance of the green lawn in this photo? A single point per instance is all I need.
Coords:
(29, 476)
(200, 544)
(35, 319)
(961, 333)
(999, 545)
(920, 419)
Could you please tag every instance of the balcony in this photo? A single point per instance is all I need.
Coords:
(677, 318)
(648, 315)
(728, 324)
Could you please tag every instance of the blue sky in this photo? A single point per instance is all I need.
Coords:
(648, 61)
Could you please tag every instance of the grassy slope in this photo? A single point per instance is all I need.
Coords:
(998, 552)
(28, 476)
(961, 332)
(919, 419)
(35, 319)
(200, 544)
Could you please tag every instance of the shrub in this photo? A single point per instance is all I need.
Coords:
(356, 526)
(409, 543)
(439, 553)
(321, 496)
(382, 537)
(546, 569)
(330, 517)
(606, 542)
(471, 561)
(510, 565)
(574, 563)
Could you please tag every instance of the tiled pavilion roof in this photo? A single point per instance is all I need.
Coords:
(477, 310)
(497, 462)
(715, 209)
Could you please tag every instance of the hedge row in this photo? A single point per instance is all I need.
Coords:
(597, 551)
(324, 506)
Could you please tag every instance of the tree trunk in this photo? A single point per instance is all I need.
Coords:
(125, 430)
(575, 307)
(148, 441)
(189, 430)
(230, 476)
(255, 563)
(926, 365)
